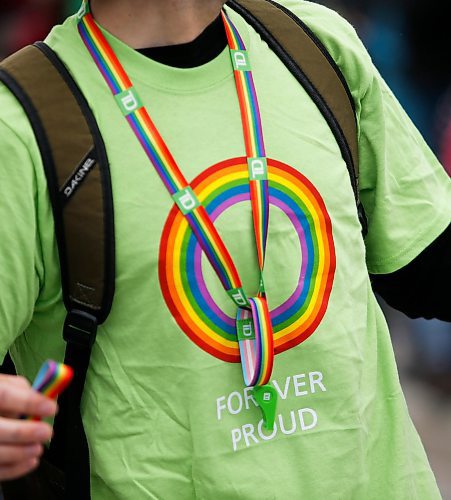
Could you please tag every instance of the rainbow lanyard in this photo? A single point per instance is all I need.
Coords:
(254, 330)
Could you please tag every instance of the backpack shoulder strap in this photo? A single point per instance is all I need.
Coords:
(308, 60)
(76, 167)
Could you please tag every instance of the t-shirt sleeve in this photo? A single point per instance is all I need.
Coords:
(405, 191)
(21, 269)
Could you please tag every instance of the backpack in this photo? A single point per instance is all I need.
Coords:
(77, 170)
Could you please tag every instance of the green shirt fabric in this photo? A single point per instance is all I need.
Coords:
(165, 411)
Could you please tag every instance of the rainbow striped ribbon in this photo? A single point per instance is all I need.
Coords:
(52, 379)
(158, 153)
(256, 342)
(153, 144)
(253, 137)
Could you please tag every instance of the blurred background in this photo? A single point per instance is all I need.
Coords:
(410, 44)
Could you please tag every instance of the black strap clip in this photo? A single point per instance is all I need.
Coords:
(80, 328)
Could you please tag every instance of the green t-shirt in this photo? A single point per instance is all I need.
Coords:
(164, 406)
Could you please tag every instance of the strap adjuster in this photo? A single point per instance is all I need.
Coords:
(80, 328)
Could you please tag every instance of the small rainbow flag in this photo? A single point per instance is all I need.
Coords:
(52, 379)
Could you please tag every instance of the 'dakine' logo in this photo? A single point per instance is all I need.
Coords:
(77, 178)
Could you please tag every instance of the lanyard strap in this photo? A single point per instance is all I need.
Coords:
(254, 310)
(253, 137)
(255, 339)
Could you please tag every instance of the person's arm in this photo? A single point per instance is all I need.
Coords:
(422, 287)
(21, 264)
(21, 276)
(405, 191)
(407, 198)
(21, 441)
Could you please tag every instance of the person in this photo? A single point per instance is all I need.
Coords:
(164, 407)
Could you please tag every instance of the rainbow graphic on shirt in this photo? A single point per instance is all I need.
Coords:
(180, 263)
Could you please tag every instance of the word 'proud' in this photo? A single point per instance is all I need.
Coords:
(300, 420)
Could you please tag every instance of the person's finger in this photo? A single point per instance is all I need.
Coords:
(17, 380)
(23, 431)
(15, 399)
(17, 470)
(13, 454)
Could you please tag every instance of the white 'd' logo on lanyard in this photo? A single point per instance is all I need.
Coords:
(240, 60)
(128, 101)
(186, 200)
(257, 169)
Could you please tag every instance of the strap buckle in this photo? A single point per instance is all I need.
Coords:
(80, 328)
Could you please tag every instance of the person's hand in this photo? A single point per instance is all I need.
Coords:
(21, 441)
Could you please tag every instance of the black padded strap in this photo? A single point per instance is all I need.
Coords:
(76, 167)
(69, 447)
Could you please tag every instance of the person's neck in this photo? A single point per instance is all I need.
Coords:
(155, 23)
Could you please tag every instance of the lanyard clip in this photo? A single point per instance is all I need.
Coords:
(266, 397)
